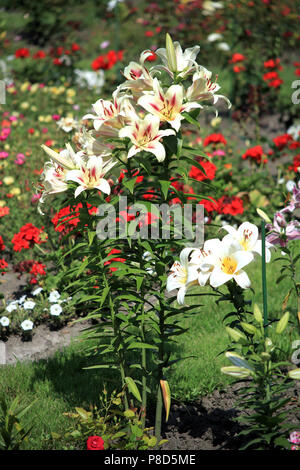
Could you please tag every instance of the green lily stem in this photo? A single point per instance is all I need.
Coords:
(159, 402)
(113, 319)
(296, 286)
(264, 275)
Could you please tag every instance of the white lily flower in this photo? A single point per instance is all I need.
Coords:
(203, 88)
(183, 275)
(90, 175)
(111, 112)
(175, 60)
(145, 135)
(67, 124)
(246, 239)
(199, 257)
(138, 77)
(227, 263)
(167, 106)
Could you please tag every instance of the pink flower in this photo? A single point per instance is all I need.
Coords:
(4, 133)
(295, 437)
(219, 152)
(3, 155)
(56, 117)
(20, 160)
(35, 198)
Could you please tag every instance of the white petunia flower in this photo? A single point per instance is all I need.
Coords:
(27, 325)
(4, 321)
(54, 296)
(29, 305)
(12, 306)
(223, 46)
(37, 291)
(55, 310)
(214, 37)
(22, 299)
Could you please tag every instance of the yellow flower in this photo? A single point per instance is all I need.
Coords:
(6, 147)
(3, 164)
(11, 89)
(15, 191)
(2, 203)
(24, 86)
(48, 118)
(33, 108)
(34, 88)
(71, 92)
(8, 180)
(24, 105)
(215, 121)
(41, 118)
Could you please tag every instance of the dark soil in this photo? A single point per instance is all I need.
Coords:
(210, 424)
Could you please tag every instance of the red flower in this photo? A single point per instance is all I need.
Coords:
(152, 57)
(256, 153)
(237, 57)
(296, 163)
(114, 251)
(31, 131)
(2, 246)
(38, 268)
(209, 205)
(57, 61)
(273, 64)
(276, 83)
(209, 171)
(27, 237)
(95, 443)
(39, 55)
(270, 76)
(232, 205)
(21, 53)
(238, 68)
(4, 211)
(282, 140)
(3, 265)
(149, 34)
(214, 139)
(75, 47)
